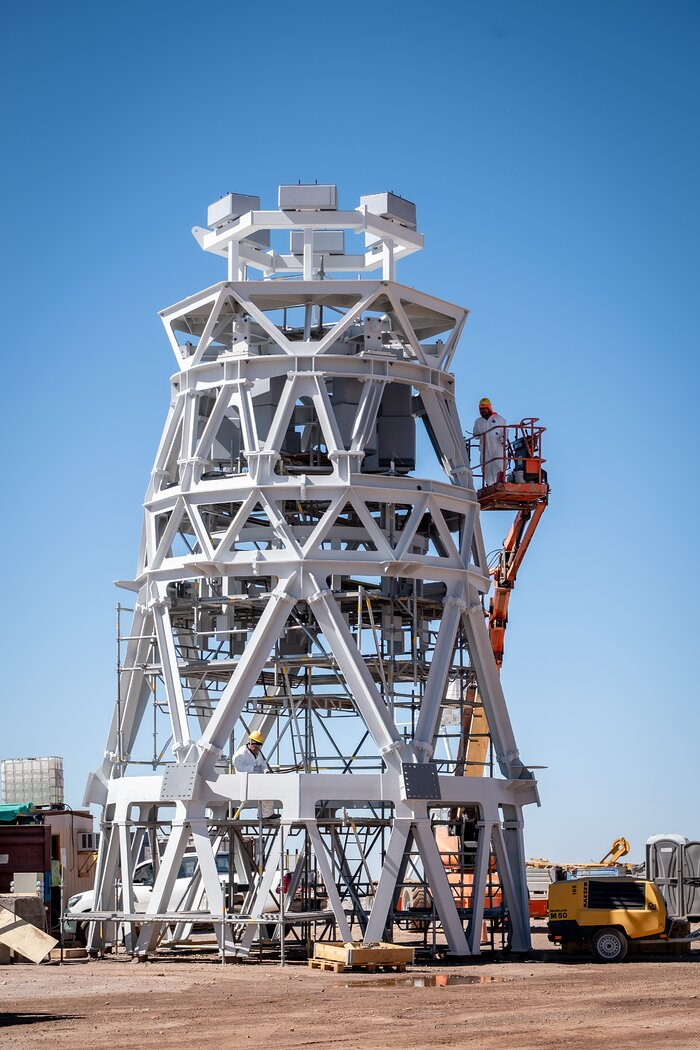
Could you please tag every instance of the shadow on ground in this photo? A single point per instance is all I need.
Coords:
(8, 1020)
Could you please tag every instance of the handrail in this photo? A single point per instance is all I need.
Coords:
(521, 461)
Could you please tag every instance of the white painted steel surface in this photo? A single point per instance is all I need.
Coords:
(296, 577)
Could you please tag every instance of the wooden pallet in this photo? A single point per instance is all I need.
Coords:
(68, 953)
(337, 967)
(337, 956)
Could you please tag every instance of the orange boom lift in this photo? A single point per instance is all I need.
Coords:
(521, 487)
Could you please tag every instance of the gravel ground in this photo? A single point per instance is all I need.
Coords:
(540, 1002)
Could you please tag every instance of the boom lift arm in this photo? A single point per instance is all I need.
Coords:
(528, 497)
(525, 490)
(505, 573)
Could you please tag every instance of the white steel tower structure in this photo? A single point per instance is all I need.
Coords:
(297, 578)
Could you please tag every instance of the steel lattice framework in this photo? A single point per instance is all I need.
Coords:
(296, 577)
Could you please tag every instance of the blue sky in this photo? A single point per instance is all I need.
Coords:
(552, 150)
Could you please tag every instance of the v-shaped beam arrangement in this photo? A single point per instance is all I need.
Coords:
(297, 578)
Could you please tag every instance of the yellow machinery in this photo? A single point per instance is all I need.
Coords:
(619, 849)
(610, 914)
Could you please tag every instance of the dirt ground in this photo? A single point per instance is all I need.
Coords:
(539, 1002)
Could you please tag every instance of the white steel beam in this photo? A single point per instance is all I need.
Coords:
(329, 881)
(165, 881)
(386, 887)
(440, 665)
(296, 583)
(371, 706)
(214, 739)
(491, 692)
(440, 887)
(479, 879)
(171, 677)
(514, 892)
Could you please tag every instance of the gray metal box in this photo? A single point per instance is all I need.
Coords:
(391, 206)
(325, 242)
(308, 198)
(227, 443)
(396, 400)
(345, 416)
(396, 437)
(346, 391)
(229, 208)
(261, 239)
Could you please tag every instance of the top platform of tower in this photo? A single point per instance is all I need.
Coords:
(318, 237)
(311, 281)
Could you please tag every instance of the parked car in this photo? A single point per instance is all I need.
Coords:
(143, 887)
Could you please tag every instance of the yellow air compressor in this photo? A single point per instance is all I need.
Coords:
(610, 914)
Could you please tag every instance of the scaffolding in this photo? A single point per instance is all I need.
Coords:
(296, 578)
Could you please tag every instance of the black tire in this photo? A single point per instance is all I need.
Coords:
(81, 933)
(609, 945)
(419, 898)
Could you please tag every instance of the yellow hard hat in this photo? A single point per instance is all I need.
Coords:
(257, 738)
(485, 403)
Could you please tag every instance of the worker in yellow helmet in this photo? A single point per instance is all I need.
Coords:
(490, 428)
(249, 759)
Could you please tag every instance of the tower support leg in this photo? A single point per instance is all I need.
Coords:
(509, 848)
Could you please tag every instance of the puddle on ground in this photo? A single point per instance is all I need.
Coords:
(437, 980)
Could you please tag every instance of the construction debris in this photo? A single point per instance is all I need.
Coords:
(23, 938)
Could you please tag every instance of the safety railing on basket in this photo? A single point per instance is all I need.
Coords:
(510, 454)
